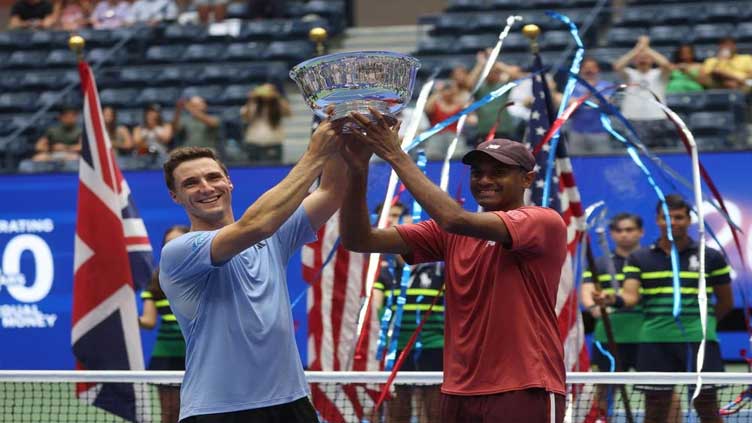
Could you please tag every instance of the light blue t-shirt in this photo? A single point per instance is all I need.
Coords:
(236, 320)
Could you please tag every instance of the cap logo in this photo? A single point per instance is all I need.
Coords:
(493, 147)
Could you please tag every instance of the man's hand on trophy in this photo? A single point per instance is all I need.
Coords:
(324, 141)
(378, 135)
(357, 154)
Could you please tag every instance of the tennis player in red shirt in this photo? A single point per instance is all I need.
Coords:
(503, 359)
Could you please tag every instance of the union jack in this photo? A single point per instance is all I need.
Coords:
(112, 250)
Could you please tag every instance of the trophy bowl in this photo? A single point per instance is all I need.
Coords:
(355, 81)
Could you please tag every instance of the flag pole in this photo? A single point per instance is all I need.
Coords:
(76, 43)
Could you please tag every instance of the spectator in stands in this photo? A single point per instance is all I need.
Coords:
(71, 15)
(586, 133)
(153, 137)
(169, 349)
(194, 126)
(461, 77)
(444, 102)
(61, 142)
(111, 14)
(262, 114)
(494, 114)
(648, 119)
(152, 12)
(208, 7)
(31, 14)
(120, 136)
(727, 69)
(686, 73)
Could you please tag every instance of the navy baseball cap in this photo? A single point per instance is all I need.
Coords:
(506, 151)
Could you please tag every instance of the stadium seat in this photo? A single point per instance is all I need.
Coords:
(245, 51)
(204, 52)
(475, 43)
(607, 56)
(636, 16)
(505, 4)
(705, 33)
(185, 33)
(107, 57)
(130, 117)
(118, 97)
(48, 39)
(556, 40)
(299, 28)
(28, 59)
(13, 81)
(237, 10)
(11, 40)
(466, 5)
(61, 58)
(743, 32)
(680, 15)
(211, 93)
(97, 37)
(166, 96)
(489, 22)
(290, 51)
(139, 76)
(453, 24)
(710, 143)
(711, 123)
(444, 64)
(548, 4)
(15, 102)
(624, 37)
(669, 35)
(265, 30)
(721, 12)
(55, 101)
(164, 54)
(47, 80)
(133, 33)
(437, 45)
(236, 94)
(685, 103)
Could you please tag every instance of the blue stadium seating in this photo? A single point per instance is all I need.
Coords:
(245, 51)
(17, 102)
(290, 51)
(130, 117)
(669, 35)
(164, 54)
(638, 16)
(466, 5)
(56, 101)
(711, 123)
(118, 97)
(97, 37)
(203, 52)
(138, 76)
(166, 96)
(28, 59)
(211, 93)
(10, 40)
(185, 33)
(624, 37)
(722, 12)
(61, 58)
(743, 32)
(704, 33)
(48, 39)
(555, 40)
(474, 43)
(437, 45)
(235, 94)
(107, 57)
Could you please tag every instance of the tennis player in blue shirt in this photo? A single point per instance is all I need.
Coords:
(226, 283)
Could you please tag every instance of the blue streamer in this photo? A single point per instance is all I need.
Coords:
(417, 216)
(674, 251)
(404, 285)
(611, 368)
(574, 69)
(316, 278)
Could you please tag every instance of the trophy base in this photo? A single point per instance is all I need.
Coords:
(343, 122)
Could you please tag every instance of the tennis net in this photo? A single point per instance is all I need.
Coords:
(151, 396)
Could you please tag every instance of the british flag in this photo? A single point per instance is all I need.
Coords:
(567, 202)
(334, 300)
(112, 250)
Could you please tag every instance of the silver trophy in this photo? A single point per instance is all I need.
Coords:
(355, 81)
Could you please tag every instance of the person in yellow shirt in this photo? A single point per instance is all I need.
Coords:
(727, 69)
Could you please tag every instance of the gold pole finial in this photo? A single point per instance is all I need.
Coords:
(76, 43)
(532, 32)
(318, 35)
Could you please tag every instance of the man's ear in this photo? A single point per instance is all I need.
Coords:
(528, 179)
(174, 197)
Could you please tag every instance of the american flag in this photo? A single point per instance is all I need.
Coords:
(567, 202)
(334, 300)
(112, 250)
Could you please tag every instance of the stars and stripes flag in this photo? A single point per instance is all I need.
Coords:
(112, 258)
(335, 295)
(566, 199)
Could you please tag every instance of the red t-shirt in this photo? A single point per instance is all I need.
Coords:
(501, 332)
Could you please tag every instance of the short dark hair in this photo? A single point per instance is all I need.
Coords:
(674, 202)
(184, 154)
(613, 224)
